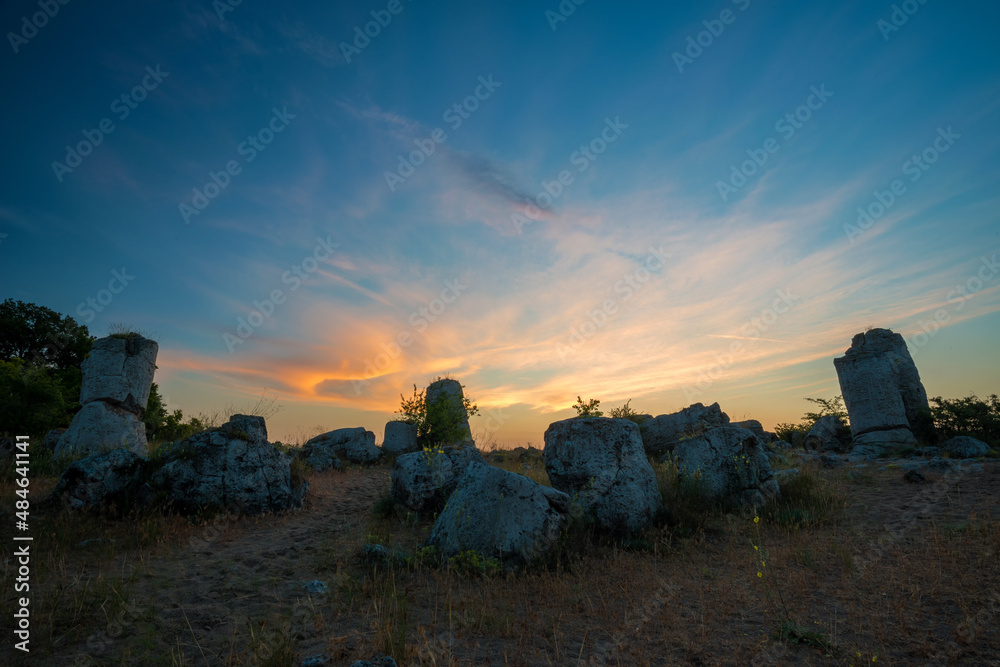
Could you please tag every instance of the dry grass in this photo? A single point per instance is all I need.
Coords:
(855, 571)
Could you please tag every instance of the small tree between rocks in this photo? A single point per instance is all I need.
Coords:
(440, 421)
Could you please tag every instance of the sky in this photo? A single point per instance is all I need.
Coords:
(327, 203)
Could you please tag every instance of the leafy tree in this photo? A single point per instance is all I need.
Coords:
(437, 422)
(42, 336)
(36, 341)
(31, 400)
(970, 416)
(587, 409)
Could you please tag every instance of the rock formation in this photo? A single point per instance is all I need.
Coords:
(662, 433)
(500, 514)
(828, 434)
(444, 399)
(117, 377)
(354, 444)
(882, 391)
(232, 468)
(601, 463)
(423, 481)
(400, 438)
(732, 465)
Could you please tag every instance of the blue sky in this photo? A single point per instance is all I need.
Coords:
(647, 201)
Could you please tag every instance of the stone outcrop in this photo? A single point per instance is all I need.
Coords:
(502, 515)
(755, 426)
(232, 468)
(965, 447)
(400, 438)
(423, 481)
(114, 477)
(828, 434)
(117, 377)
(602, 465)
(101, 426)
(731, 464)
(882, 391)
(662, 433)
(119, 370)
(445, 398)
(354, 444)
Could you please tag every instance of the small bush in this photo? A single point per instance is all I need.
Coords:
(475, 564)
(385, 506)
(970, 416)
(625, 412)
(589, 409)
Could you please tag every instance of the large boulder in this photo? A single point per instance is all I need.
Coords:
(965, 447)
(101, 426)
(445, 403)
(882, 391)
(114, 477)
(755, 426)
(119, 370)
(224, 470)
(500, 514)
(354, 444)
(828, 434)
(603, 465)
(400, 438)
(662, 433)
(423, 481)
(731, 464)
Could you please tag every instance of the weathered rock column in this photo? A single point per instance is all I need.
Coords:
(449, 394)
(117, 377)
(882, 390)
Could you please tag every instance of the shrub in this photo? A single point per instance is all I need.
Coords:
(436, 422)
(587, 409)
(625, 412)
(970, 416)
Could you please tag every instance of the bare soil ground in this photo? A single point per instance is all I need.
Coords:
(903, 574)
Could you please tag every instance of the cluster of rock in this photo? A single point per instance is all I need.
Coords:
(602, 465)
(882, 391)
(232, 468)
(662, 433)
(731, 464)
(117, 377)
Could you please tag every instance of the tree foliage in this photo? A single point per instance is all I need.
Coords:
(589, 409)
(42, 336)
(439, 421)
(970, 416)
(827, 407)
